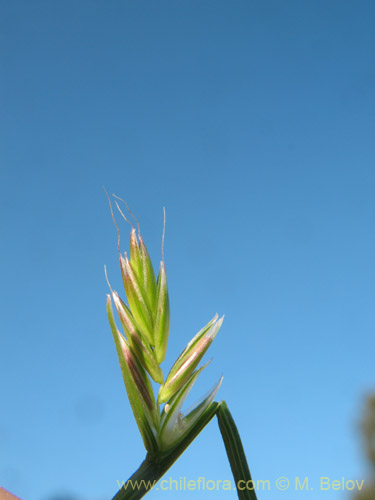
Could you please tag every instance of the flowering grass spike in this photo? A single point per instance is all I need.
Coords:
(142, 347)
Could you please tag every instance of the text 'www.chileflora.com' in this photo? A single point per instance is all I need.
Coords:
(282, 483)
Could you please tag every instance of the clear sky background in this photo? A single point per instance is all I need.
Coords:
(253, 124)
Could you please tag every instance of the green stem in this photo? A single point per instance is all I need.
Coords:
(236, 455)
(154, 467)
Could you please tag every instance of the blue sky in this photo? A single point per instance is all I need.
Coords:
(253, 124)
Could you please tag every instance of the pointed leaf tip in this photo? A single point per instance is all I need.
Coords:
(189, 359)
(174, 425)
